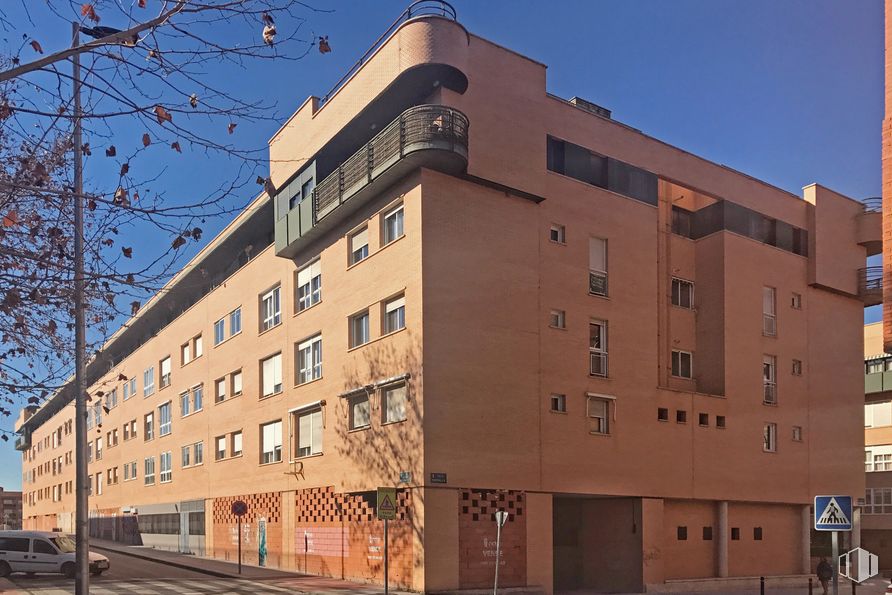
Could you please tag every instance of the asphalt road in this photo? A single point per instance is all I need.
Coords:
(121, 568)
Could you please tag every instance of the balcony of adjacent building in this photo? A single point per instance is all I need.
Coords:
(432, 136)
(869, 225)
(870, 285)
(877, 377)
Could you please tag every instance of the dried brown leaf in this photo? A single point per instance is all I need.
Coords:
(111, 151)
(11, 218)
(36, 46)
(176, 147)
(162, 115)
(127, 252)
(231, 127)
(178, 242)
(146, 140)
(89, 11)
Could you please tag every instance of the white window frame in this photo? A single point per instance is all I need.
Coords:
(358, 252)
(197, 398)
(602, 422)
(236, 444)
(309, 359)
(796, 301)
(676, 371)
(165, 427)
(275, 385)
(598, 353)
(235, 322)
(360, 398)
(393, 225)
(149, 471)
(598, 276)
(312, 413)
(769, 437)
(220, 454)
(148, 426)
(236, 386)
(185, 403)
(359, 335)
(557, 319)
(165, 462)
(557, 234)
(558, 403)
(148, 382)
(386, 391)
(769, 379)
(269, 432)
(220, 388)
(682, 293)
(797, 433)
(769, 311)
(309, 285)
(165, 363)
(186, 353)
(394, 314)
(219, 331)
(271, 308)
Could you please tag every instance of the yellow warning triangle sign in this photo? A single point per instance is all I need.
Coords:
(387, 504)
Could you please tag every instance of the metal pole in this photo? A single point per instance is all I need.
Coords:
(386, 564)
(495, 585)
(810, 591)
(762, 585)
(834, 540)
(240, 544)
(82, 478)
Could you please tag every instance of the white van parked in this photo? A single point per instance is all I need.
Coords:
(42, 551)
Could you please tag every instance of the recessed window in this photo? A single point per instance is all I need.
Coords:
(235, 322)
(185, 456)
(393, 225)
(681, 416)
(597, 277)
(148, 382)
(236, 383)
(359, 329)
(735, 533)
(270, 309)
(720, 421)
(308, 435)
(220, 389)
(164, 419)
(797, 367)
(682, 364)
(796, 301)
(797, 433)
(197, 347)
(271, 442)
(769, 311)
(360, 411)
(769, 437)
(393, 403)
(681, 533)
(149, 426)
(559, 403)
(166, 474)
(359, 245)
(309, 359)
(149, 471)
(309, 285)
(769, 379)
(185, 404)
(707, 533)
(757, 533)
(558, 234)
(597, 346)
(164, 366)
(682, 293)
(235, 444)
(662, 414)
(703, 419)
(220, 450)
(219, 331)
(598, 410)
(271, 375)
(394, 315)
(558, 319)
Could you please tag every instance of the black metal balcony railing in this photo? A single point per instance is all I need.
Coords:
(874, 204)
(420, 127)
(870, 284)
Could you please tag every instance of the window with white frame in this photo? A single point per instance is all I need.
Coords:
(769, 437)
(99, 483)
(125, 391)
(197, 398)
(796, 301)
(99, 448)
(682, 364)
(394, 398)
(558, 234)
(557, 319)
(185, 353)
(198, 453)
(882, 461)
(164, 367)
(164, 419)
(219, 389)
(359, 245)
(197, 347)
(236, 382)
(271, 375)
(186, 456)
(558, 403)
(307, 424)
(359, 329)
(220, 450)
(149, 426)
(360, 411)
(769, 379)
(877, 501)
(185, 404)
(769, 311)
(598, 410)
(597, 257)
(219, 331)
(868, 460)
(148, 382)
(797, 433)
(309, 359)
(682, 293)
(309, 285)
(270, 309)
(166, 473)
(149, 471)
(271, 442)
(597, 347)
(797, 367)
(235, 444)
(235, 321)
(393, 225)
(112, 398)
(394, 315)
(878, 414)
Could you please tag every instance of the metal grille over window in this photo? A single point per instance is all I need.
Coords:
(597, 278)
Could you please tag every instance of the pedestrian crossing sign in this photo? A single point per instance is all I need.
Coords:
(833, 513)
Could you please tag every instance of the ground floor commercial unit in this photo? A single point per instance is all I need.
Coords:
(444, 538)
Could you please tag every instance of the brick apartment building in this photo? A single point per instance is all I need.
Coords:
(876, 513)
(10, 510)
(492, 298)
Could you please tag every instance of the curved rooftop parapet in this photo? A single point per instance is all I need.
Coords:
(433, 136)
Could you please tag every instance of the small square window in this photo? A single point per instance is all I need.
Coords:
(558, 319)
(681, 416)
(682, 533)
(796, 301)
(797, 433)
(707, 533)
(559, 403)
(558, 234)
(662, 414)
(757, 533)
(703, 419)
(797, 367)
(735, 533)
(720, 421)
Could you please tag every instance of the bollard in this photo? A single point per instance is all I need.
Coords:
(854, 587)
(761, 585)
(810, 587)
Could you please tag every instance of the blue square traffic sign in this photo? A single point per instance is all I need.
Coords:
(833, 513)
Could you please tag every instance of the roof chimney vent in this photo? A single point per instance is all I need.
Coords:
(590, 107)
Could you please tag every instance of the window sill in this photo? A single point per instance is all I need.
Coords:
(679, 307)
(602, 434)
(769, 452)
(663, 421)
(390, 333)
(769, 404)
(390, 423)
(230, 337)
(238, 456)
(599, 295)
(310, 456)
(558, 243)
(262, 397)
(557, 412)
(307, 309)
(308, 382)
(357, 430)
(688, 378)
(605, 377)
(192, 466)
(557, 328)
(350, 265)
(183, 365)
(261, 333)
(271, 463)
(190, 414)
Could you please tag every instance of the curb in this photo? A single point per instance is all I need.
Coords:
(7, 586)
(173, 563)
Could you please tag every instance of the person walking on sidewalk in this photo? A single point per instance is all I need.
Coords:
(825, 573)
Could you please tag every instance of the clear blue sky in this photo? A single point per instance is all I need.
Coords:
(787, 91)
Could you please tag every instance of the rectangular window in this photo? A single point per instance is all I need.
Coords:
(164, 419)
(270, 309)
(219, 331)
(757, 533)
(769, 312)
(149, 426)
(198, 453)
(271, 442)
(682, 364)
(197, 347)
(597, 346)
(720, 421)
(112, 399)
(126, 471)
(166, 468)
(703, 419)
(126, 391)
(769, 379)
(599, 414)
(769, 438)
(681, 416)
(558, 234)
(681, 533)
(882, 462)
(662, 414)
(707, 533)
(149, 471)
(797, 367)
(164, 367)
(235, 322)
(185, 353)
(237, 383)
(559, 403)
(796, 301)
(359, 245)
(219, 389)
(309, 285)
(557, 319)
(360, 411)
(236, 444)
(185, 404)
(186, 456)
(271, 375)
(359, 329)
(393, 225)
(198, 398)
(393, 403)
(99, 449)
(148, 382)
(309, 432)
(797, 433)
(597, 264)
(394, 315)
(309, 360)
(220, 452)
(682, 293)
(99, 483)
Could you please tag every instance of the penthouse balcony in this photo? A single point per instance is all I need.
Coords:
(23, 441)
(869, 225)
(432, 136)
(870, 285)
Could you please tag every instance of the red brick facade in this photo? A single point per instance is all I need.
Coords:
(477, 538)
(266, 506)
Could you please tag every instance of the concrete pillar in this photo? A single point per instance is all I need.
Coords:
(288, 513)
(856, 527)
(722, 539)
(806, 540)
